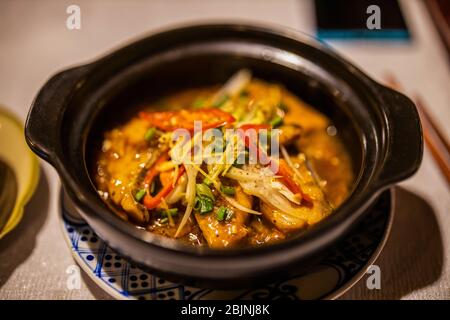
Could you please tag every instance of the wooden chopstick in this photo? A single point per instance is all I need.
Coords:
(434, 138)
(430, 119)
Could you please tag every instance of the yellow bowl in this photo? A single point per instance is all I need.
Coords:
(15, 152)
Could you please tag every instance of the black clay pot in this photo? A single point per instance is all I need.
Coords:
(380, 127)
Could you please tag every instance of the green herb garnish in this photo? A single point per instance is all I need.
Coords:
(224, 214)
(139, 195)
(150, 134)
(204, 204)
(228, 190)
(202, 190)
(205, 198)
(169, 212)
(207, 181)
(164, 220)
(275, 122)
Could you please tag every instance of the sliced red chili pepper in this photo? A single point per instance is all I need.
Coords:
(286, 176)
(153, 171)
(283, 169)
(184, 119)
(151, 202)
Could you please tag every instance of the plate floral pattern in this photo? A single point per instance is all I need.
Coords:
(342, 267)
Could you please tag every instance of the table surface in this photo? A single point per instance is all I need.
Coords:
(34, 43)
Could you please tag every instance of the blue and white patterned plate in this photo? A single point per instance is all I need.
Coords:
(344, 265)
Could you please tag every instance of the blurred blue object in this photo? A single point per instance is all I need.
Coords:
(360, 19)
(393, 34)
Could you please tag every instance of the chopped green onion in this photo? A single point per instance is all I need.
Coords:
(198, 103)
(204, 204)
(275, 122)
(169, 212)
(221, 213)
(224, 214)
(207, 181)
(207, 205)
(228, 190)
(150, 134)
(221, 101)
(139, 195)
(164, 220)
(202, 190)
